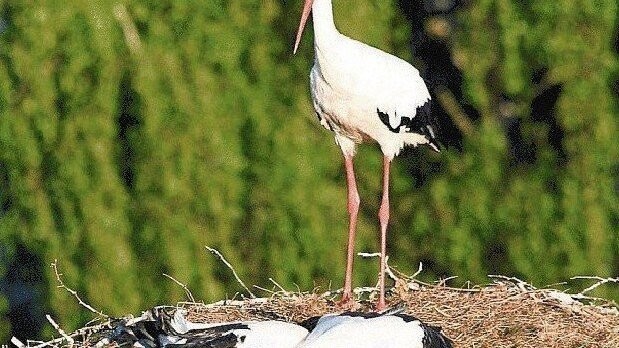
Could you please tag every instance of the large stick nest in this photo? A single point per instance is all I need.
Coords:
(507, 313)
(504, 314)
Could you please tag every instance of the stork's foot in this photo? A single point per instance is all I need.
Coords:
(380, 306)
(347, 302)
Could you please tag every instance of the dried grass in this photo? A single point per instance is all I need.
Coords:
(504, 314)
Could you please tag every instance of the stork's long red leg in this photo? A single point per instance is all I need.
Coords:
(383, 216)
(353, 210)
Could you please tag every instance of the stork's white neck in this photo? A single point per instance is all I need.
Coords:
(324, 27)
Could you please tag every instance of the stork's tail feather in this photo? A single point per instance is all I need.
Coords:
(434, 338)
(426, 123)
(423, 122)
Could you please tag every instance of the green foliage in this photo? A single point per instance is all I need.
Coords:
(556, 217)
(134, 135)
(5, 323)
(131, 136)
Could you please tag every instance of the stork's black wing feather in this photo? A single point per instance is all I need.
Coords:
(424, 122)
(433, 338)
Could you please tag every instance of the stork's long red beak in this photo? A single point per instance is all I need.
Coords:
(307, 8)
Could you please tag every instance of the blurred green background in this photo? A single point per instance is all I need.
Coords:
(134, 133)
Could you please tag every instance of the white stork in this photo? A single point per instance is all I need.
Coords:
(362, 93)
(371, 330)
(168, 327)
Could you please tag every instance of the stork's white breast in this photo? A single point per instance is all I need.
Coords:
(351, 80)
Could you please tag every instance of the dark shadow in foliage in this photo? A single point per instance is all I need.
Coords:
(420, 166)
(49, 168)
(24, 286)
(543, 109)
(5, 15)
(8, 34)
(521, 150)
(437, 67)
(615, 79)
(128, 121)
(496, 256)
(3, 25)
(259, 153)
(5, 200)
(433, 269)
(438, 71)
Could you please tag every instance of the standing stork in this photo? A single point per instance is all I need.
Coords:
(362, 93)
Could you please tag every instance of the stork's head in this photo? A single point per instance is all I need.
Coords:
(307, 8)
